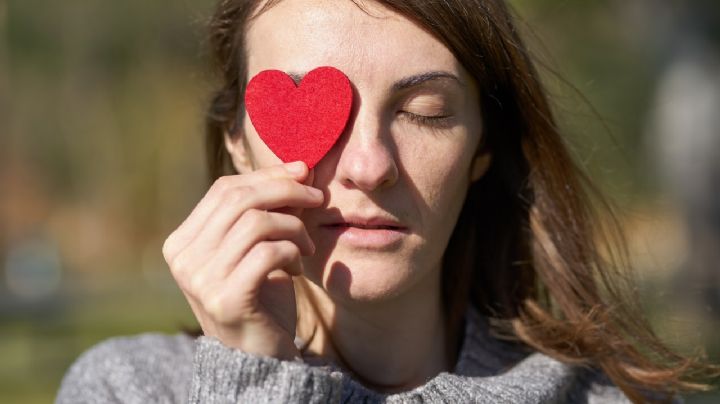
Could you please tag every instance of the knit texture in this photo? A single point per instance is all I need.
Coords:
(158, 368)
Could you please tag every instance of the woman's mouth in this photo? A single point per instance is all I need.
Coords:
(369, 236)
(361, 226)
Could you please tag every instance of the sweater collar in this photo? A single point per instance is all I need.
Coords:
(487, 369)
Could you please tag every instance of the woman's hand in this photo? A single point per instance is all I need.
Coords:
(225, 257)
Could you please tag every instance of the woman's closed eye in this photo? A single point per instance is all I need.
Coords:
(431, 110)
(439, 120)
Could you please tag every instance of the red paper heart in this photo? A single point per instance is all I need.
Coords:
(299, 122)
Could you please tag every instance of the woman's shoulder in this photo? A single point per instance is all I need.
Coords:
(143, 365)
(147, 351)
(504, 367)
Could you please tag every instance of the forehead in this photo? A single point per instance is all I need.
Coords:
(372, 45)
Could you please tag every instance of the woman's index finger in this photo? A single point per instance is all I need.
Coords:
(197, 218)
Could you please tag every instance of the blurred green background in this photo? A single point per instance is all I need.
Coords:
(101, 108)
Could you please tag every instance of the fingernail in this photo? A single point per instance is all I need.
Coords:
(296, 167)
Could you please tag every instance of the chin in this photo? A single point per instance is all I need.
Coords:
(367, 279)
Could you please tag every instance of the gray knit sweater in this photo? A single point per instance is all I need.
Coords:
(157, 368)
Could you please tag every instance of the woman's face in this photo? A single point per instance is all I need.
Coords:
(390, 161)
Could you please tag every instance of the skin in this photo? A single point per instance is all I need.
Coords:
(382, 305)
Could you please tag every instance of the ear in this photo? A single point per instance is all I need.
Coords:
(238, 149)
(480, 165)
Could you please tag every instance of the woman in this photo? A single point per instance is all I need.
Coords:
(485, 284)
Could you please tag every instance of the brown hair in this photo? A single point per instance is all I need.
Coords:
(529, 249)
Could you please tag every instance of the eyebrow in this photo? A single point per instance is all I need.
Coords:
(417, 79)
(404, 83)
(297, 77)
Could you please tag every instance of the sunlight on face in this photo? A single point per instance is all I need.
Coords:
(407, 149)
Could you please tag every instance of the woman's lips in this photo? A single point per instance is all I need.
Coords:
(366, 236)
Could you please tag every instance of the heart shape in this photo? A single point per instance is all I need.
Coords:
(299, 122)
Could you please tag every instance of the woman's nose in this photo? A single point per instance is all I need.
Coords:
(368, 158)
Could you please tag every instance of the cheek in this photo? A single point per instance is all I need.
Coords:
(438, 164)
(260, 152)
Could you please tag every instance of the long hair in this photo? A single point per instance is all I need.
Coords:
(536, 248)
